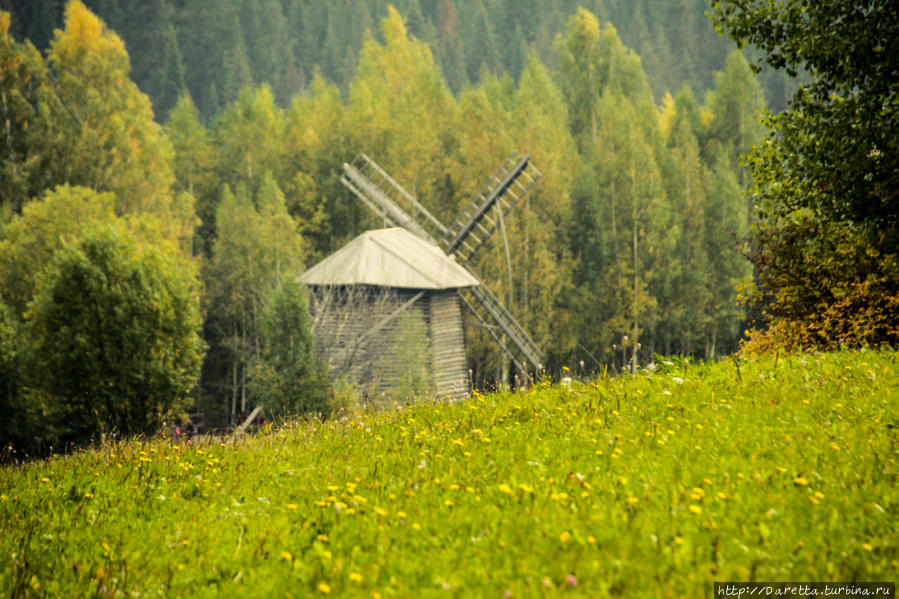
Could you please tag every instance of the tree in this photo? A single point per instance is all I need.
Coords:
(736, 104)
(541, 262)
(211, 42)
(253, 251)
(317, 133)
(250, 139)
(104, 133)
(148, 31)
(287, 379)
(827, 175)
(26, 98)
(30, 240)
(116, 324)
(234, 298)
(193, 166)
(404, 111)
(834, 150)
(477, 34)
(12, 426)
(615, 124)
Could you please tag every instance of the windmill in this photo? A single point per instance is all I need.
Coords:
(461, 240)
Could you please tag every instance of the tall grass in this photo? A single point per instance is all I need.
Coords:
(653, 485)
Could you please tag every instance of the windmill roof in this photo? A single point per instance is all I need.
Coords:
(389, 258)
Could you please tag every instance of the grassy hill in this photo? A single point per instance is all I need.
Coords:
(648, 486)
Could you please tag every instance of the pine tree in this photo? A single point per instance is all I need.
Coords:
(206, 35)
(480, 41)
(265, 38)
(172, 83)
(149, 33)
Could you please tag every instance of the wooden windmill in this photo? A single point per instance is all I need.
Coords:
(461, 240)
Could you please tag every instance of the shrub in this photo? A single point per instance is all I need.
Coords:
(823, 285)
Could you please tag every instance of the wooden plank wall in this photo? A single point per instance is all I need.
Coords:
(448, 345)
(374, 363)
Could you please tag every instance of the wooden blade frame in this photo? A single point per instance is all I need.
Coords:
(387, 199)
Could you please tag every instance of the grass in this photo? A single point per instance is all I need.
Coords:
(648, 486)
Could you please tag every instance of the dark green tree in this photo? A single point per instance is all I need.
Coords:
(265, 38)
(34, 20)
(827, 176)
(482, 49)
(736, 103)
(156, 62)
(835, 149)
(12, 426)
(116, 324)
(26, 166)
(287, 379)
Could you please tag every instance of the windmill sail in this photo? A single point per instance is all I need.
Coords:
(505, 190)
(485, 302)
(386, 198)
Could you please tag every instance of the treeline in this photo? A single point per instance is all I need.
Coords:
(626, 245)
(214, 48)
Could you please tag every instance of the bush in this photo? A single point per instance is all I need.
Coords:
(823, 285)
(113, 337)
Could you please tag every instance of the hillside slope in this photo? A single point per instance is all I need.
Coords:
(654, 485)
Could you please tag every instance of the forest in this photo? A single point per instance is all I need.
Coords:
(214, 48)
(197, 158)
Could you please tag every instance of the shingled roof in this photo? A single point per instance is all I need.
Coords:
(389, 258)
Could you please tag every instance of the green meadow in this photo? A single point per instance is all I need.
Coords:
(654, 485)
